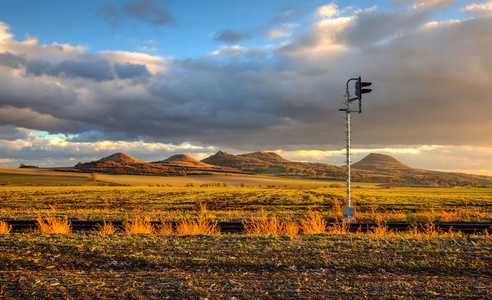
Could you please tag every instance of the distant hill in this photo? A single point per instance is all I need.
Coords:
(270, 157)
(177, 165)
(184, 160)
(373, 168)
(121, 158)
(240, 162)
(376, 161)
(121, 163)
(272, 163)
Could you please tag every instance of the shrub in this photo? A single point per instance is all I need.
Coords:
(94, 176)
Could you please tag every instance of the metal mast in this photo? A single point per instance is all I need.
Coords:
(348, 212)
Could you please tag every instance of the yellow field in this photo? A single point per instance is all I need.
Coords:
(52, 177)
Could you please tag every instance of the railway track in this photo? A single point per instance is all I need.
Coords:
(238, 227)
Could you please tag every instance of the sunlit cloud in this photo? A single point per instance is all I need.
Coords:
(283, 31)
(328, 11)
(235, 50)
(485, 7)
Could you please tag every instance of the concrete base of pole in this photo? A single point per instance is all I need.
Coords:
(348, 213)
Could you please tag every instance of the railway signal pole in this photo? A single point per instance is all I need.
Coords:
(348, 212)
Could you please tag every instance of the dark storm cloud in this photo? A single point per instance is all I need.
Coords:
(145, 11)
(128, 71)
(98, 70)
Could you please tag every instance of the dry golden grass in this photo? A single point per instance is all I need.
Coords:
(290, 229)
(197, 227)
(164, 228)
(339, 227)
(448, 216)
(138, 226)
(263, 225)
(4, 227)
(54, 226)
(381, 229)
(313, 224)
(106, 228)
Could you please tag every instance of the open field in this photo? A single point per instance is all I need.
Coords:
(49, 177)
(232, 203)
(110, 265)
(94, 266)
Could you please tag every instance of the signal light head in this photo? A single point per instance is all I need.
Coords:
(359, 90)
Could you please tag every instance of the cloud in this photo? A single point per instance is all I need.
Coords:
(430, 87)
(235, 50)
(283, 31)
(11, 133)
(328, 11)
(231, 36)
(128, 71)
(59, 151)
(148, 11)
(485, 7)
(275, 27)
(144, 11)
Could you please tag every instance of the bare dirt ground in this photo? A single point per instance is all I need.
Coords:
(90, 266)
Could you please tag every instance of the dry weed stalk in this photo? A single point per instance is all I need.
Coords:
(52, 225)
(290, 229)
(448, 216)
(313, 224)
(4, 227)
(263, 225)
(106, 228)
(197, 227)
(339, 227)
(381, 228)
(138, 226)
(164, 228)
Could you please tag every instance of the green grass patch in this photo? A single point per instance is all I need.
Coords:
(273, 171)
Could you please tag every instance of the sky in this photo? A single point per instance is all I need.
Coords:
(80, 80)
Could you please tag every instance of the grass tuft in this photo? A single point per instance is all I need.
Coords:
(138, 226)
(313, 224)
(339, 227)
(290, 229)
(165, 228)
(263, 225)
(4, 227)
(198, 227)
(54, 226)
(106, 228)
